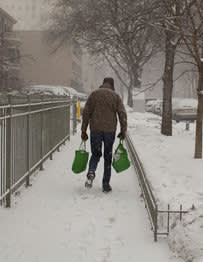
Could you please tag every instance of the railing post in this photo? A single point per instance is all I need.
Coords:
(69, 117)
(181, 208)
(2, 155)
(28, 143)
(155, 222)
(187, 126)
(9, 153)
(168, 219)
(51, 120)
(42, 133)
(74, 116)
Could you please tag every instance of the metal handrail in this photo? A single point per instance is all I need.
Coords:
(33, 112)
(33, 104)
(150, 202)
(148, 196)
(30, 133)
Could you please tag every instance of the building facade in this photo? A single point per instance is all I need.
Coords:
(30, 14)
(9, 53)
(41, 66)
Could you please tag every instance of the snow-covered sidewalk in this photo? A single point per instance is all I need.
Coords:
(57, 219)
(175, 178)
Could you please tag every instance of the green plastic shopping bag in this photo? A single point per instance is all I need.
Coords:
(120, 158)
(81, 159)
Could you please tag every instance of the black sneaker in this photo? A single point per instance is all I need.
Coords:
(107, 188)
(90, 178)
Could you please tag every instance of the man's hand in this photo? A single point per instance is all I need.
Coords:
(121, 135)
(84, 136)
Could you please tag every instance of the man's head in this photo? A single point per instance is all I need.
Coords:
(110, 81)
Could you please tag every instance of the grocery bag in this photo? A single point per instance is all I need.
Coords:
(81, 159)
(120, 158)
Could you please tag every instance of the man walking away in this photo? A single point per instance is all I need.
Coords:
(101, 111)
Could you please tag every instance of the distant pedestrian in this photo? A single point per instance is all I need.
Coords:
(101, 111)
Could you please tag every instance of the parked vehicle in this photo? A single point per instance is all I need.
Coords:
(158, 107)
(184, 109)
(154, 106)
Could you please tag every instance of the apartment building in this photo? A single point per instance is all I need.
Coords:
(9, 53)
(40, 66)
(30, 14)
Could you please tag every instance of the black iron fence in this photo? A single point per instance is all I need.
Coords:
(161, 220)
(32, 129)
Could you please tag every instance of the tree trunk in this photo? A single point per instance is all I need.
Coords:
(137, 81)
(130, 96)
(166, 127)
(198, 137)
(134, 83)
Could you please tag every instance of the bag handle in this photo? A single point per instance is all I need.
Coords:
(121, 141)
(82, 146)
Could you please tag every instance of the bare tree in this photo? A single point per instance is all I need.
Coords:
(190, 28)
(171, 40)
(163, 21)
(116, 29)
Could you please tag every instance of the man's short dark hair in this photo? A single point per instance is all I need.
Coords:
(109, 80)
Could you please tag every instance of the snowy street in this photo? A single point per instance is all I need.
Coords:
(57, 219)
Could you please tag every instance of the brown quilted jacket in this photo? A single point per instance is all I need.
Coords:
(101, 111)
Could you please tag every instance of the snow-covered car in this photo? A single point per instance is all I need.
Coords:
(150, 105)
(154, 106)
(184, 109)
(158, 107)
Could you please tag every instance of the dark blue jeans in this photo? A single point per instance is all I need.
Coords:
(96, 139)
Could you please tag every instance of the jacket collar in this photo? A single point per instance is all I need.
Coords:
(107, 85)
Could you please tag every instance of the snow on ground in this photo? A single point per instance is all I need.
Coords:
(57, 219)
(54, 90)
(175, 177)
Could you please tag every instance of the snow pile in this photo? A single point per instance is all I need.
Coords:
(186, 238)
(54, 90)
(175, 176)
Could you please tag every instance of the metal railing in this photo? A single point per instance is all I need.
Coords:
(155, 215)
(32, 129)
